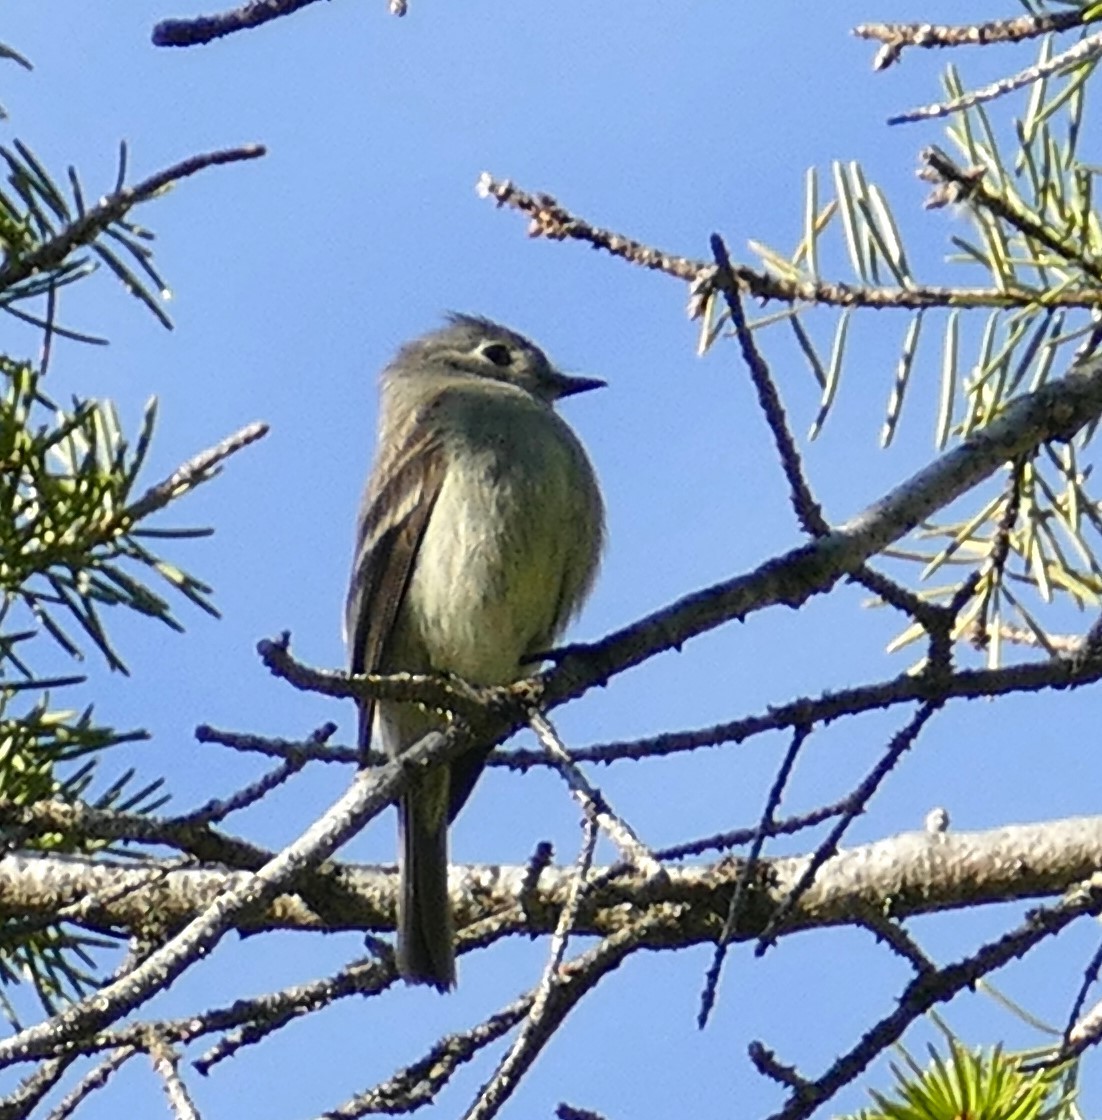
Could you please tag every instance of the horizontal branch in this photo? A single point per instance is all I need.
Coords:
(1075, 669)
(548, 219)
(919, 872)
(964, 684)
(1013, 30)
(896, 36)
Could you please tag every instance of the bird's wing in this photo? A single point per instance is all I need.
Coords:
(392, 523)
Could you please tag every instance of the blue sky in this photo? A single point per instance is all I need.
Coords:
(294, 278)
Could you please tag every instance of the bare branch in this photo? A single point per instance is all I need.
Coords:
(592, 800)
(1055, 411)
(549, 219)
(900, 743)
(449, 694)
(1085, 50)
(217, 810)
(21, 1102)
(897, 36)
(166, 1061)
(194, 471)
(418, 1084)
(893, 934)
(287, 749)
(366, 797)
(920, 872)
(807, 509)
(711, 981)
(938, 986)
(205, 29)
(93, 1081)
(545, 1014)
(574, 982)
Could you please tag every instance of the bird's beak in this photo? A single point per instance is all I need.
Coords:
(567, 385)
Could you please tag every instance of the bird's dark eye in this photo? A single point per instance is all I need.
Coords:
(498, 353)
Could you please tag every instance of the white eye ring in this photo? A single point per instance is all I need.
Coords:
(498, 353)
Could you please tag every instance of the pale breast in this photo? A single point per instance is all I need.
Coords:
(511, 548)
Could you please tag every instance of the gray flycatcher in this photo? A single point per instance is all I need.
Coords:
(478, 540)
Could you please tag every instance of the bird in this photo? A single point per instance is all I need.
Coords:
(478, 540)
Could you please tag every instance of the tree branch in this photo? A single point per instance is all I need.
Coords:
(205, 29)
(110, 209)
(919, 872)
(1056, 411)
(549, 219)
(366, 797)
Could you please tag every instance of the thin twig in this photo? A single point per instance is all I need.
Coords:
(448, 694)
(166, 1061)
(991, 573)
(537, 1026)
(193, 472)
(577, 979)
(1084, 51)
(48, 331)
(250, 1021)
(93, 1081)
(772, 801)
(808, 511)
(19, 1104)
(592, 800)
(216, 810)
(894, 935)
(547, 218)
(287, 749)
(721, 841)
(900, 743)
(50, 254)
(768, 1065)
(969, 186)
(417, 1084)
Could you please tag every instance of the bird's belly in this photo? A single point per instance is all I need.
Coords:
(487, 588)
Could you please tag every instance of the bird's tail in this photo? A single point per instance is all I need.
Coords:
(426, 934)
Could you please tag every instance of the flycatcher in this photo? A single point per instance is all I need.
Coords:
(478, 540)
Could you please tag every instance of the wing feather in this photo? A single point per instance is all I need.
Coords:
(396, 509)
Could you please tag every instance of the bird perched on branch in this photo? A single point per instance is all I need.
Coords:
(478, 540)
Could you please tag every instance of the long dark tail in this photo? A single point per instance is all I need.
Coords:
(426, 935)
